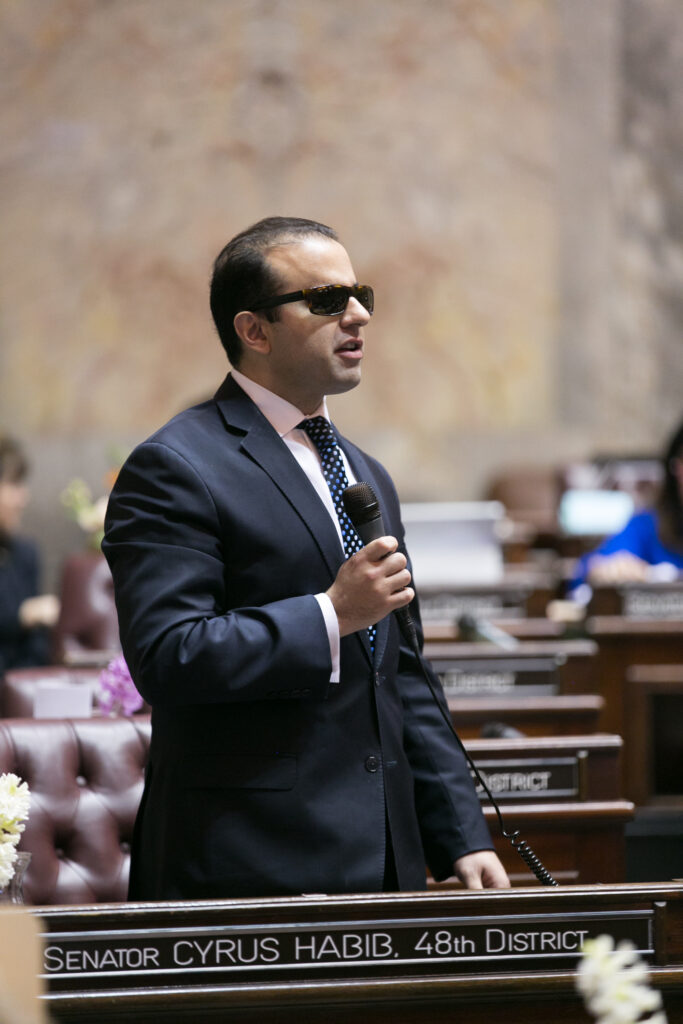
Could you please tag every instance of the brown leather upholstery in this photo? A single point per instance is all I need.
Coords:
(85, 777)
(19, 686)
(530, 494)
(88, 619)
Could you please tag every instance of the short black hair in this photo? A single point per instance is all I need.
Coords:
(13, 461)
(670, 505)
(242, 276)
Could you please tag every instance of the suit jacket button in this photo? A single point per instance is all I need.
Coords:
(372, 764)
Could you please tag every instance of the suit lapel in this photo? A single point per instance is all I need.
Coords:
(261, 443)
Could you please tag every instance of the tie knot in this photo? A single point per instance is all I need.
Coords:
(320, 432)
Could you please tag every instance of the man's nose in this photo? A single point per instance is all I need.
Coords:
(355, 312)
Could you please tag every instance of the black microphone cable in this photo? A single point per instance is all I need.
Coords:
(362, 508)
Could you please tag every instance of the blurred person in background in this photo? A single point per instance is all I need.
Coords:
(26, 616)
(650, 546)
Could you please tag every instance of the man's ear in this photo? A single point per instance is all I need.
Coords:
(252, 330)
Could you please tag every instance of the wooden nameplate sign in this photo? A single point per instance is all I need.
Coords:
(505, 598)
(529, 778)
(117, 958)
(513, 676)
(652, 601)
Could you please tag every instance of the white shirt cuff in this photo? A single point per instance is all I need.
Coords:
(332, 627)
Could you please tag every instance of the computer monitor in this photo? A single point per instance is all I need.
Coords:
(594, 512)
(452, 543)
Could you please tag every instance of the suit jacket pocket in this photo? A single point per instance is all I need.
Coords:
(240, 771)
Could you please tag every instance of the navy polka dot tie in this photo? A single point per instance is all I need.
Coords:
(324, 438)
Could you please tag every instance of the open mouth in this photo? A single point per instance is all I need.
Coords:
(352, 346)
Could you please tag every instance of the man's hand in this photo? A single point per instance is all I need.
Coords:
(481, 870)
(621, 567)
(370, 585)
(39, 611)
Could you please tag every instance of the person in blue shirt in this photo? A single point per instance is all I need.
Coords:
(651, 537)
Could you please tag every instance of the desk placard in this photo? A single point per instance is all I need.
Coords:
(546, 778)
(198, 955)
(449, 606)
(651, 603)
(508, 677)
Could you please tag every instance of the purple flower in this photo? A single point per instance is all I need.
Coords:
(118, 694)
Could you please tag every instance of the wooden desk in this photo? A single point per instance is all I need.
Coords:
(446, 631)
(653, 601)
(482, 685)
(523, 591)
(533, 716)
(572, 662)
(406, 958)
(564, 769)
(654, 711)
(563, 794)
(623, 642)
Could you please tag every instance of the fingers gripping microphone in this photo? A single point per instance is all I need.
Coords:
(362, 508)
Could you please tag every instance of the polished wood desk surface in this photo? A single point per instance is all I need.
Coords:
(584, 647)
(404, 958)
(556, 715)
(536, 628)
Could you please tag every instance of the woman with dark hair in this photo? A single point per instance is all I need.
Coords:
(652, 537)
(25, 614)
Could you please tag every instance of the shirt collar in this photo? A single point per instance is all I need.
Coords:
(281, 414)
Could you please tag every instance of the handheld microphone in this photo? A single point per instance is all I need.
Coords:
(362, 508)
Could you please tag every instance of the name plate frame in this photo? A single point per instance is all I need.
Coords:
(307, 939)
(514, 676)
(652, 602)
(532, 778)
(204, 954)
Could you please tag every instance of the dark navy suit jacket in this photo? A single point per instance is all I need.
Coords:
(264, 778)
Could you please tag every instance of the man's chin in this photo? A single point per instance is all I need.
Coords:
(344, 383)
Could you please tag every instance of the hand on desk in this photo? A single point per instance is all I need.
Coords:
(621, 567)
(481, 870)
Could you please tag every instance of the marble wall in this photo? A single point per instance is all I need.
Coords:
(506, 174)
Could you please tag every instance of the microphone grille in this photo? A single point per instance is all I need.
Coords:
(360, 502)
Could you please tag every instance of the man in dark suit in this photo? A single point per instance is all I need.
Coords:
(295, 744)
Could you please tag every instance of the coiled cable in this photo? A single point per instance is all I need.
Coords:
(518, 844)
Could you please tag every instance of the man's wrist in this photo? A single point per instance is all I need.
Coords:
(332, 627)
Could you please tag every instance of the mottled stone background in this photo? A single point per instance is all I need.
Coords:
(508, 175)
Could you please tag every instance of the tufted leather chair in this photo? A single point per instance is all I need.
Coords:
(85, 777)
(87, 631)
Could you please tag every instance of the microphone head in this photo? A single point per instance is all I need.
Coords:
(360, 502)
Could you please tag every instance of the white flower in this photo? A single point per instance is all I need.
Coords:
(15, 800)
(614, 983)
(91, 517)
(8, 856)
